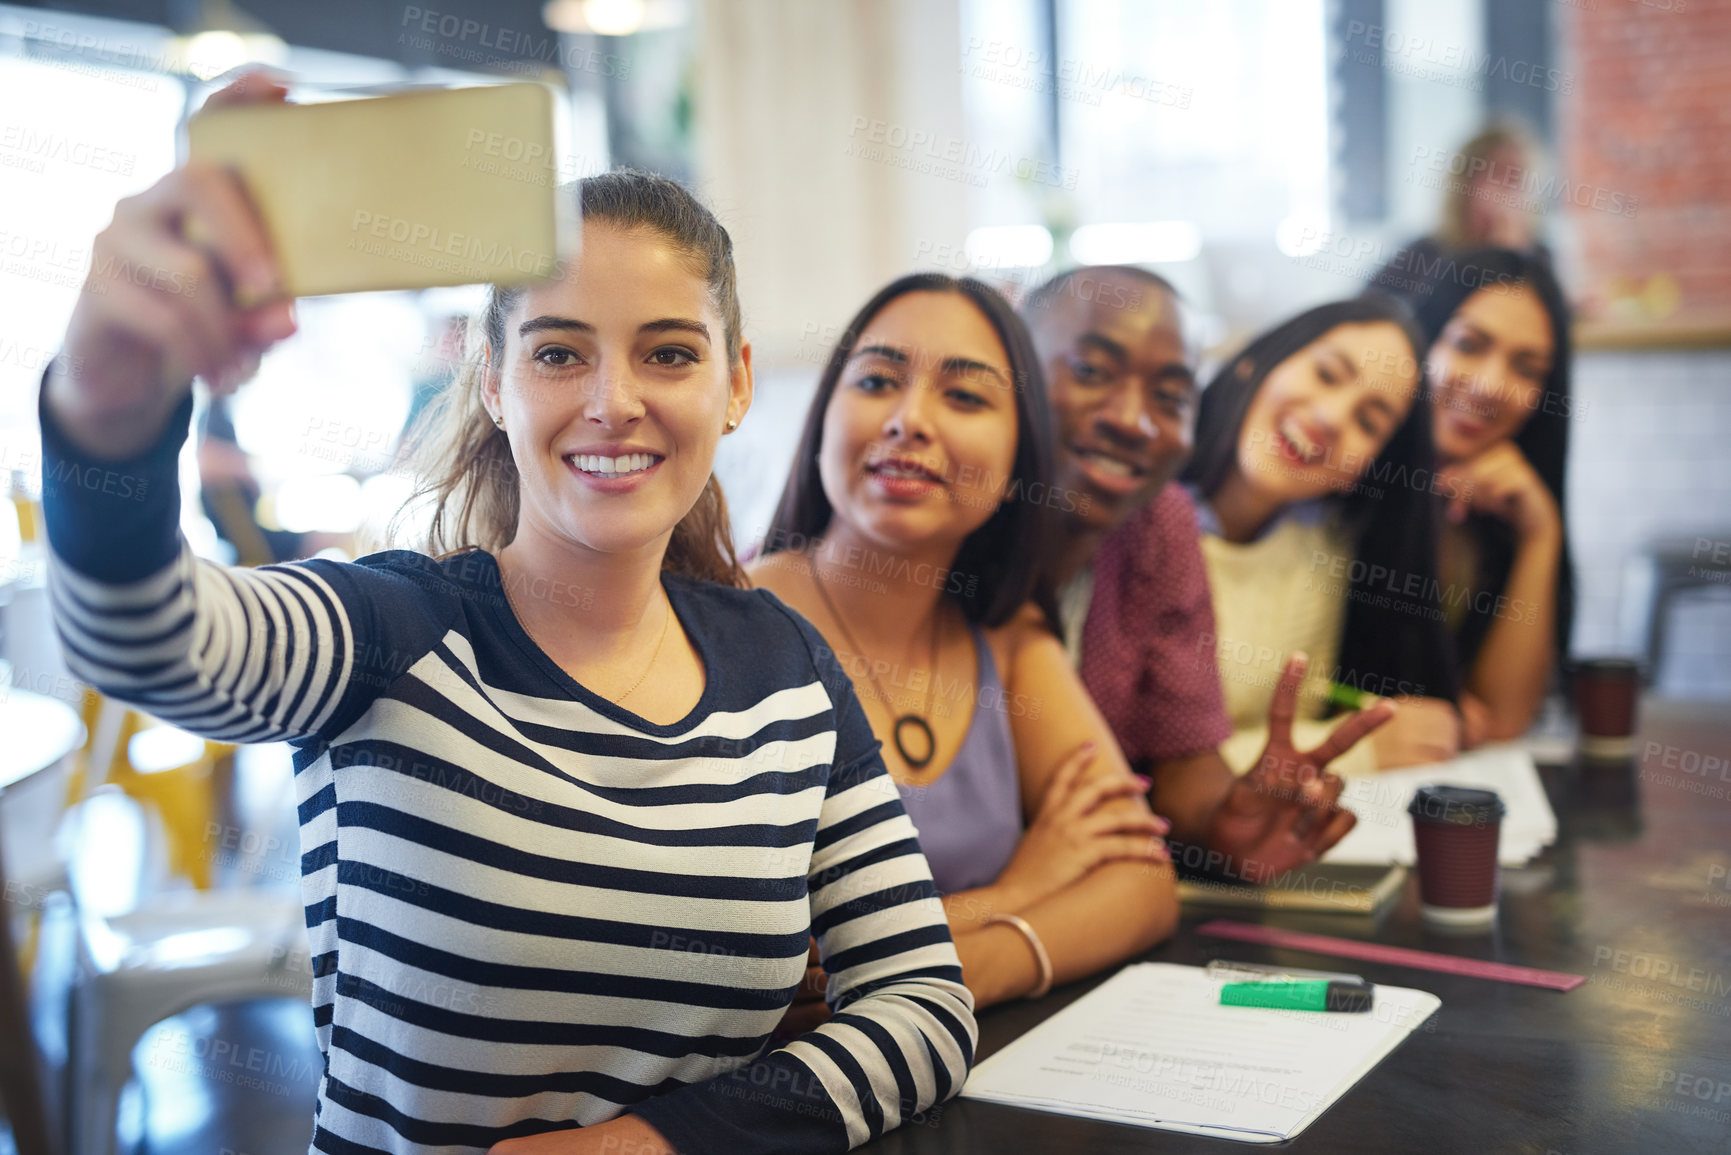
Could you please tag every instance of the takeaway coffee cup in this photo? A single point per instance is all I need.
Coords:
(1456, 829)
(1606, 690)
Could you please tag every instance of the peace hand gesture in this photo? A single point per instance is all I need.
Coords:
(1284, 812)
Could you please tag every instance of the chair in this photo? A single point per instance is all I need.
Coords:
(169, 770)
(40, 733)
(136, 969)
(175, 950)
(175, 774)
(29, 511)
(1655, 578)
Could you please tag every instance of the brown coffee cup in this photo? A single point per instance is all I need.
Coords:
(1456, 830)
(1606, 692)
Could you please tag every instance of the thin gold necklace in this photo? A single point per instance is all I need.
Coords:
(916, 721)
(524, 622)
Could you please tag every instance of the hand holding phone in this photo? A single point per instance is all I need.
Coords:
(184, 282)
(417, 189)
(407, 191)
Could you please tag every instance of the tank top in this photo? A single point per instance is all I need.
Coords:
(970, 817)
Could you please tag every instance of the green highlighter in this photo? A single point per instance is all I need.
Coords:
(1348, 697)
(1319, 995)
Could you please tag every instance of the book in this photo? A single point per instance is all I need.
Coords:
(1321, 886)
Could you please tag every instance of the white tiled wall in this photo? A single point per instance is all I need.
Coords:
(1650, 463)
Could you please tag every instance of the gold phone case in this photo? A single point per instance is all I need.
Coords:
(409, 191)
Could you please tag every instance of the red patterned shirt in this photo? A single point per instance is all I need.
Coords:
(1148, 641)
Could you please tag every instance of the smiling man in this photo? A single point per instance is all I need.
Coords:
(1133, 594)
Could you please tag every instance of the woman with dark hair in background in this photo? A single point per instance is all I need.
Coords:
(912, 533)
(1315, 482)
(1499, 366)
(567, 768)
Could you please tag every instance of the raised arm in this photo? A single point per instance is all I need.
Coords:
(1514, 664)
(242, 655)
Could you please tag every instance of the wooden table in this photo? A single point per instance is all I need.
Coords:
(1636, 895)
(35, 734)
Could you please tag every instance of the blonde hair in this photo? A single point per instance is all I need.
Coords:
(462, 463)
(1476, 157)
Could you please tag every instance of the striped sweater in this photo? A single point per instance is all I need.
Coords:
(529, 908)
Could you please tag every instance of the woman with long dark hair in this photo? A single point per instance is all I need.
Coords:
(1499, 365)
(1316, 483)
(572, 803)
(912, 532)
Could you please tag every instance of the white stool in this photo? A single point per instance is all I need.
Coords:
(136, 969)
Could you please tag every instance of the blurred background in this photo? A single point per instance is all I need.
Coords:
(1264, 155)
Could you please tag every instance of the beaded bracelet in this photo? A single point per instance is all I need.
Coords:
(1043, 959)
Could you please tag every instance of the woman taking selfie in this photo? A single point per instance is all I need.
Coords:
(1499, 367)
(571, 773)
(1314, 479)
(910, 533)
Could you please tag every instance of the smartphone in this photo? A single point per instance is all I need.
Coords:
(410, 191)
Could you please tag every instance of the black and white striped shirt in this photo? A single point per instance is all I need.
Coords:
(530, 908)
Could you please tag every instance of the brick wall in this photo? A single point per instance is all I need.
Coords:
(1650, 119)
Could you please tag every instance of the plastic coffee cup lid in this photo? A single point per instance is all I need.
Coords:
(1616, 667)
(1456, 806)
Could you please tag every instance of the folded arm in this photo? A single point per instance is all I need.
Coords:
(1116, 908)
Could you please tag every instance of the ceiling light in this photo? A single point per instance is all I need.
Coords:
(613, 17)
(222, 39)
(1142, 243)
(1009, 246)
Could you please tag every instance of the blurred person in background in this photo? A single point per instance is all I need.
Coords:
(228, 491)
(1316, 483)
(1132, 590)
(1488, 202)
(1499, 370)
(912, 533)
(568, 747)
